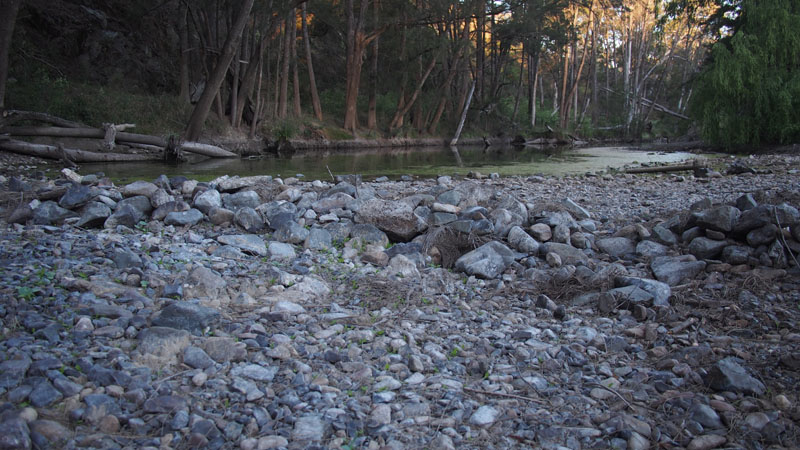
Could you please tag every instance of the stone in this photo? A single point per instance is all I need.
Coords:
(206, 200)
(186, 316)
(746, 202)
(125, 259)
(576, 210)
(659, 290)
(396, 218)
(736, 254)
(561, 234)
(503, 220)
(160, 346)
(318, 239)
(706, 442)
(326, 204)
(705, 248)
(616, 246)
(241, 199)
(650, 249)
(184, 218)
(197, 358)
(161, 212)
(220, 216)
(93, 215)
(487, 261)
(53, 431)
(249, 220)
(722, 218)
(12, 371)
(49, 213)
(255, 372)
(15, 435)
(401, 266)
(369, 234)
(143, 188)
(484, 416)
(706, 416)
(160, 198)
(310, 427)
(77, 195)
(541, 232)
(380, 415)
(292, 233)
(164, 404)
(764, 235)
(568, 254)
(675, 269)
(249, 243)
(522, 241)
(224, 349)
(281, 251)
(664, 235)
(126, 215)
(728, 375)
(44, 394)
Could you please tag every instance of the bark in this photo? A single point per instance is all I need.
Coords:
(8, 18)
(312, 81)
(200, 113)
(463, 115)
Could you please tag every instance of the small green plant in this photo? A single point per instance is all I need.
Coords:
(25, 292)
(454, 351)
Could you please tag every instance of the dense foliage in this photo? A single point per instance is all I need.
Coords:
(749, 93)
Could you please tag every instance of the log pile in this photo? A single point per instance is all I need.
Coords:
(110, 134)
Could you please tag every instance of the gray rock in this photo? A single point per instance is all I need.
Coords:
(44, 394)
(15, 435)
(369, 234)
(705, 416)
(49, 213)
(93, 215)
(705, 248)
(207, 200)
(722, 218)
(522, 241)
(160, 346)
(241, 199)
(55, 432)
(484, 416)
(224, 349)
(161, 212)
(728, 375)
(204, 282)
(675, 269)
(562, 235)
(339, 200)
(503, 220)
(197, 358)
(144, 188)
(186, 316)
(184, 218)
(310, 427)
(77, 195)
(164, 404)
(755, 218)
(401, 266)
(439, 219)
(487, 261)
(553, 219)
(281, 251)
(125, 259)
(762, 235)
(650, 249)
(13, 371)
(616, 246)
(160, 198)
(450, 197)
(567, 253)
(660, 291)
(220, 216)
(126, 215)
(139, 203)
(541, 232)
(576, 210)
(664, 235)
(292, 233)
(249, 219)
(396, 218)
(736, 254)
(746, 202)
(255, 372)
(343, 187)
(318, 239)
(249, 243)
(23, 213)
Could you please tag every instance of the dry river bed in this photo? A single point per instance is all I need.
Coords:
(223, 329)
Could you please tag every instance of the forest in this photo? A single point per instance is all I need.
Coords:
(339, 69)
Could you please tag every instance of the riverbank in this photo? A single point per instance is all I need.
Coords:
(611, 311)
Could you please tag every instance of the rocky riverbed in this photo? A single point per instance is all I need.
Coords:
(599, 311)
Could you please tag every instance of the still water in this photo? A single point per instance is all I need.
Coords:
(394, 162)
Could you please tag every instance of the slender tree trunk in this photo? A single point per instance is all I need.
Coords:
(183, 26)
(298, 109)
(372, 112)
(312, 80)
(258, 109)
(595, 104)
(403, 111)
(283, 99)
(519, 85)
(198, 119)
(480, 51)
(463, 115)
(356, 44)
(534, 78)
(234, 97)
(451, 75)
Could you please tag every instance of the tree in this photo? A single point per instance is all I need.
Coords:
(749, 92)
(8, 17)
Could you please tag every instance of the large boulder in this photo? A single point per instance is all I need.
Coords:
(396, 218)
(722, 218)
(487, 261)
(241, 199)
(208, 200)
(705, 248)
(674, 269)
(522, 241)
(728, 375)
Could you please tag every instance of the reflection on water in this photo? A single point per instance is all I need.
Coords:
(425, 161)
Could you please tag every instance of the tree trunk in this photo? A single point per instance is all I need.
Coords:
(356, 45)
(198, 119)
(463, 115)
(407, 107)
(298, 109)
(312, 81)
(80, 156)
(372, 110)
(8, 18)
(183, 26)
(283, 96)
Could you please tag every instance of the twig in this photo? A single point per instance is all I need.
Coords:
(783, 238)
(613, 392)
(504, 395)
(331, 173)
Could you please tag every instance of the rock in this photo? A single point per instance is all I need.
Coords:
(651, 249)
(77, 195)
(706, 416)
(402, 267)
(541, 232)
(576, 210)
(310, 427)
(728, 375)
(255, 372)
(522, 241)
(380, 415)
(125, 259)
(44, 394)
(224, 349)
(160, 346)
(722, 218)
(369, 234)
(249, 219)
(736, 254)
(241, 199)
(249, 243)
(126, 215)
(93, 215)
(49, 213)
(53, 431)
(659, 290)
(186, 316)
(161, 212)
(675, 269)
(706, 442)
(164, 404)
(292, 233)
(220, 216)
(197, 358)
(568, 254)
(764, 235)
(160, 198)
(395, 218)
(281, 251)
(705, 248)
(318, 239)
(664, 235)
(15, 435)
(13, 371)
(503, 220)
(144, 188)
(227, 183)
(487, 261)
(207, 200)
(616, 246)
(484, 416)
(184, 218)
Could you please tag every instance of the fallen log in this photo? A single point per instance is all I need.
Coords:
(120, 137)
(695, 164)
(11, 116)
(78, 156)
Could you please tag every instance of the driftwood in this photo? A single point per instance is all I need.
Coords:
(120, 137)
(12, 116)
(72, 155)
(695, 164)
